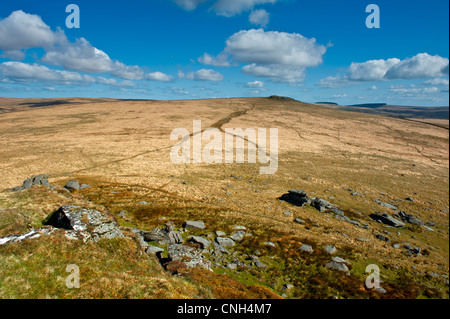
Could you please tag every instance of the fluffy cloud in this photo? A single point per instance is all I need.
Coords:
(260, 17)
(189, 4)
(19, 72)
(280, 56)
(420, 66)
(374, 70)
(220, 60)
(272, 47)
(437, 81)
(158, 76)
(79, 56)
(202, 75)
(24, 31)
(229, 8)
(255, 84)
(277, 73)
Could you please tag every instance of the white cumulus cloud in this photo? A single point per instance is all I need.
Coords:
(21, 30)
(19, 72)
(260, 17)
(280, 56)
(202, 75)
(423, 65)
(229, 8)
(79, 56)
(255, 84)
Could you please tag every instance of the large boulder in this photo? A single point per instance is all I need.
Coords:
(387, 219)
(88, 224)
(296, 197)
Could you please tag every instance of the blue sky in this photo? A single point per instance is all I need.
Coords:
(188, 49)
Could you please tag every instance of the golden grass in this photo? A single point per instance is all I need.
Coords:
(122, 150)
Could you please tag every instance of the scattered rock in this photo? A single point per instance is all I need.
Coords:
(341, 260)
(220, 234)
(72, 184)
(260, 264)
(287, 287)
(153, 250)
(204, 243)
(238, 235)
(231, 266)
(190, 256)
(386, 219)
(382, 237)
(410, 219)
(270, 244)
(41, 179)
(330, 249)
(194, 224)
(299, 221)
(34, 233)
(225, 242)
(306, 249)
(320, 204)
(337, 266)
(387, 205)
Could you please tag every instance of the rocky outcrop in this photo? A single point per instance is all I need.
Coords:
(87, 224)
(296, 197)
(40, 179)
(387, 219)
(78, 223)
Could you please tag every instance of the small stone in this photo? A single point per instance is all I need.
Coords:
(340, 260)
(337, 266)
(270, 244)
(194, 224)
(225, 242)
(380, 290)
(306, 249)
(202, 241)
(260, 264)
(143, 203)
(287, 287)
(299, 221)
(238, 235)
(231, 266)
(330, 249)
(72, 184)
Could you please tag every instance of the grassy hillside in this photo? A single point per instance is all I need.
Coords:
(122, 149)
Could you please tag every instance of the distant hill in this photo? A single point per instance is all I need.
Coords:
(399, 111)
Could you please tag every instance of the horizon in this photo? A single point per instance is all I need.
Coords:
(206, 49)
(218, 98)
